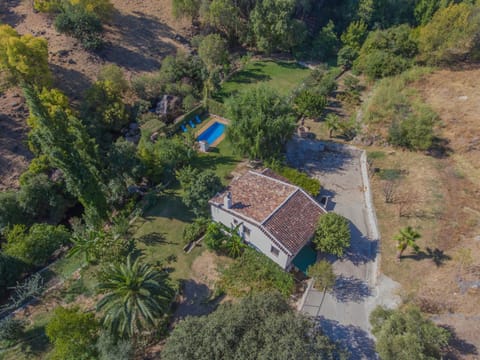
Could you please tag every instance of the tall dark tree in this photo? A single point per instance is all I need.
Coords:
(259, 327)
(262, 122)
(68, 147)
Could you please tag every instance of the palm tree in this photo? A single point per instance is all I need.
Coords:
(405, 238)
(234, 246)
(137, 295)
(87, 243)
(333, 123)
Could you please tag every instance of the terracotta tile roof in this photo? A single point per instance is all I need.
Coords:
(256, 196)
(284, 211)
(294, 223)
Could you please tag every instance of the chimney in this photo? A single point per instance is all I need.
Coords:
(227, 200)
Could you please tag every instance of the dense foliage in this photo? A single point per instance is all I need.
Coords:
(407, 334)
(258, 327)
(332, 234)
(137, 295)
(73, 334)
(322, 274)
(35, 246)
(253, 272)
(311, 185)
(261, 123)
(24, 57)
(198, 188)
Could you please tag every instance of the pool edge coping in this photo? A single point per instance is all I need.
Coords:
(214, 119)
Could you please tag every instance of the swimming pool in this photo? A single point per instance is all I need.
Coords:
(213, 132)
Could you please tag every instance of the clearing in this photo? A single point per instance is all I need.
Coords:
(283, 76)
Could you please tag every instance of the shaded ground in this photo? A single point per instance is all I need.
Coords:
(343, 313)
(14, 153)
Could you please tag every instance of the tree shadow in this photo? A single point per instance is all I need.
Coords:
(7, 16)
(169, 205)
(138, 41)
(362, 249)
(35, 341)
(329, 196)
(195, 300)
(436, 255)
(249, 76)
(458, 348)
(355, 340)
(440, 148)
(350, 289)
(153, 238)
(71, 82)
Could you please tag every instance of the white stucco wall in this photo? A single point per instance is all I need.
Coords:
(256, 238)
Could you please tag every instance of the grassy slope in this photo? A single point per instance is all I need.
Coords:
(160, 230)
(280, 75)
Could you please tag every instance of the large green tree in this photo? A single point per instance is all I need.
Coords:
(136, 296)
(199, 187)
(262, 123)
(406, 334)
(259, 327)
(62, 138)
(332, 234)
(271, 24)
(73, 334)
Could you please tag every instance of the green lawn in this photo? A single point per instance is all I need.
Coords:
(160, 231)
(282, 76)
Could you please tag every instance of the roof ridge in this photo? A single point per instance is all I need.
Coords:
(272, 178)
(280, 206)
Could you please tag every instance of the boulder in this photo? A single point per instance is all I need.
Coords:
(169, 107)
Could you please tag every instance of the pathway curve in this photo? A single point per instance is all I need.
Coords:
(343, 313)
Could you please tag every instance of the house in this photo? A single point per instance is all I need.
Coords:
(273, 216)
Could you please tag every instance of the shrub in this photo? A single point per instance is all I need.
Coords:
(11, 270)
(214, 237)
(310, 185)
(253, 272)
(47, 6)
(83, 25)
(194, 230)
(73, 334)
(35, 246)
(332, 234)
(11, 211)
(406, 334)
(11, 329)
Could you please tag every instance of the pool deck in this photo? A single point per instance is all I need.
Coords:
(213, 119)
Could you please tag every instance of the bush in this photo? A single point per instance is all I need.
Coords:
(35, 246)
(83, 25)
(73, 334)
(11, 270)
(451, 35)
(310, 185)
(194, 230)
(332, 234)
(11, 329)
(253, 272)
(406, 334)
(11, 211)
(387, 52)
(214, 237)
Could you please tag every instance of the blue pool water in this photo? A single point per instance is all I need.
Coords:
(212, 133)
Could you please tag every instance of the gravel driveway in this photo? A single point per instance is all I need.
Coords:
(343, 312)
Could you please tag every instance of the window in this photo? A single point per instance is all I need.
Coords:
(274, 251)
(235, 221)
(246, 230)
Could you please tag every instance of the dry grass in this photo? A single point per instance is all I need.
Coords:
(439, 197)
